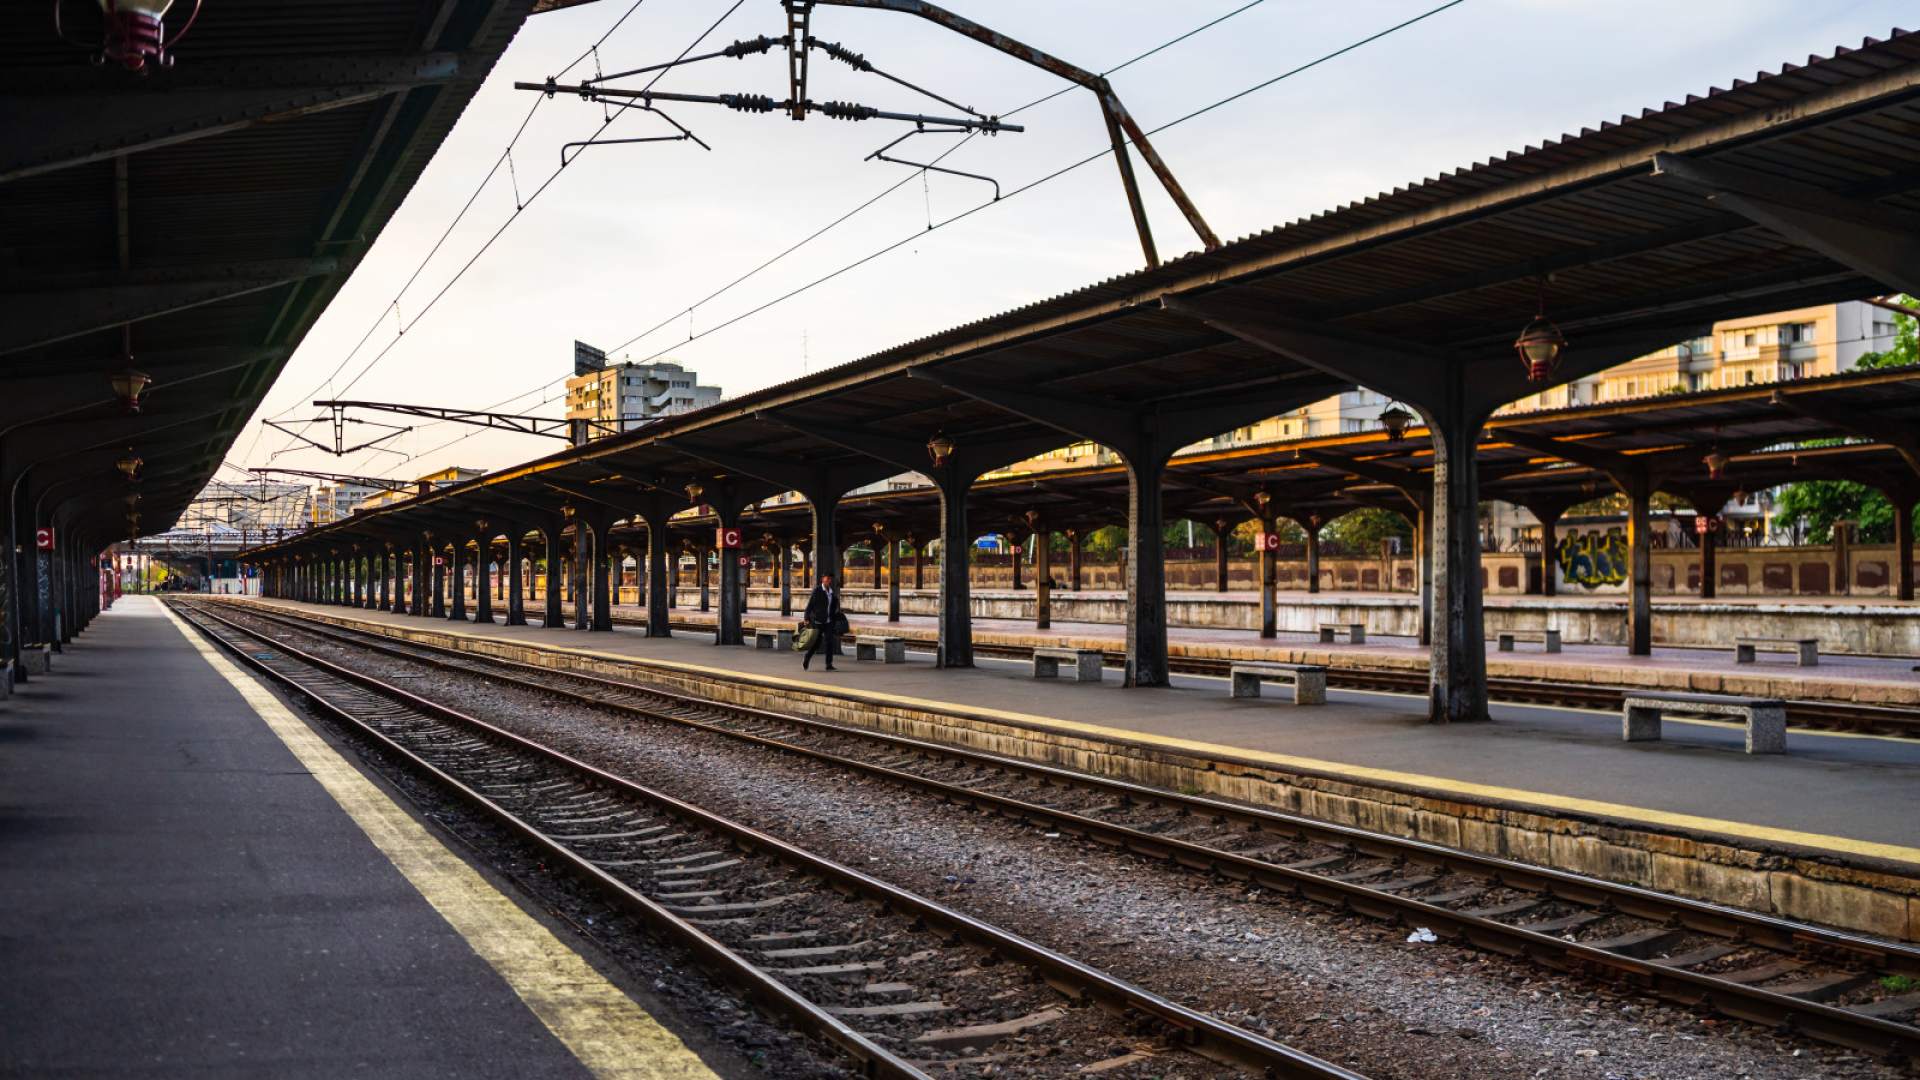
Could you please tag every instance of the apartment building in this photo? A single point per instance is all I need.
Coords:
(622, 396)
(434, 481)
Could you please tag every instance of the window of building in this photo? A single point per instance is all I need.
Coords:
(1747, 340)
(1749, 376)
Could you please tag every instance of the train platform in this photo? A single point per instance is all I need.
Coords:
(198, 884)
(1544, 784)
(1839, 678)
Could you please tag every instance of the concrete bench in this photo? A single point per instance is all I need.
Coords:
(1807, 648)
(887, 650)
(1309, 680)
(36, 659)
(1766, 718)
(1551, 638)
(1085, 663)
(781, 639)
(1356, 632)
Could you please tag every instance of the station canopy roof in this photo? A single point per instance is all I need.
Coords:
(198, 217)
(1651, 227)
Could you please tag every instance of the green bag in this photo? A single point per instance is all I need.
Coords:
(804, 638)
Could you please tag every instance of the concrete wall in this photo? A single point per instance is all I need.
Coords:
(1869, 629)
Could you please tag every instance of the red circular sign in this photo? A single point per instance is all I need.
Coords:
(745, 562)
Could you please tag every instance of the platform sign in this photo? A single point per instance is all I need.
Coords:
(745, 563)
(726, 539)
(1269, 541)
(43, 538)
(439, 560)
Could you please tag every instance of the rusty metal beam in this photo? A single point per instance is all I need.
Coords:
(1121, 126)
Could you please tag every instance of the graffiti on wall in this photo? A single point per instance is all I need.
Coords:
(1594, 559)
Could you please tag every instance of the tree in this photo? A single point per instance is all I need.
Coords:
(1906, 342)
(1816, 504)
(1363, 529)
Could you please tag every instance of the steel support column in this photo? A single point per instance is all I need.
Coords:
(482, 582)
(1639, 490)
(1219, 555)
(1903, 515)
(516, 586)
(1457, 690)
(893, 580)
(554, 540)
(659, 578)
(1269, 560)
(458, 585)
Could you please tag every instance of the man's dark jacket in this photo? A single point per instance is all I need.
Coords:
(822, 611)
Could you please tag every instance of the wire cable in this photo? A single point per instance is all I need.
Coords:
(1054, 175)
(909, 177)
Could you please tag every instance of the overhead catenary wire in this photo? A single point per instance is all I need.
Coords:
(909, 177)
(1048, 177)
(1028, 186)
(504, 157)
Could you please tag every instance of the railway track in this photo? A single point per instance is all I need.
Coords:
(1823, 715)
(900, 984)
(1840, 988)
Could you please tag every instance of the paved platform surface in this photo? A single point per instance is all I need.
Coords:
(1884, 679)
(182, 896)
(1849, 794)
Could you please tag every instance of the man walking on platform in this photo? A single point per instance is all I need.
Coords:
(823, 614)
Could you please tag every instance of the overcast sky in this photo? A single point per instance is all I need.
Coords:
(628, 237)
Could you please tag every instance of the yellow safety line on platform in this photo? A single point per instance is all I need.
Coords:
(602, 1027)
(1643, 815)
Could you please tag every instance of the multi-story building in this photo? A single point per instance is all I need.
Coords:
(1774, 347)
(623, 396)
(433, 481)
(333, 502)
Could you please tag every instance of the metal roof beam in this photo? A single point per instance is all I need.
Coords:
(1895, 434)
(62, 119)
(51, 312)
(1878, 241)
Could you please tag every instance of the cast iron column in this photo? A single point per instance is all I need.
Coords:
(516, 587)
(954, 647)
(1312, 526)
(482, 582)
(893, 579)
(1076, 546)
(439, 610)
(580, 577)
(701, 573)
(1457, 691)
(601, 523)
(1903, 514)
(1042, 574)
(1219, 554)
(1639, 489)
(553, 540)
(785, 556)
(422, 573)
(458, 585)
(659, 579)
(1269, 559)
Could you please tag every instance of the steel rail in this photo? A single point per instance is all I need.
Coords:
(1828, 1023)
(1195, 1031)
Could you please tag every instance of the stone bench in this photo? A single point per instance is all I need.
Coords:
(781, 639)
(1551, 638)
(36, 659)
(1808, 649)
(887, 650)
(1309, 680)
(1766, 718)
(1086, 664)
(1356, 632)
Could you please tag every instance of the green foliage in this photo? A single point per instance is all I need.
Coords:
(1906, 343)
(1819, 503)
(1363, 529)
(1105, 543)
